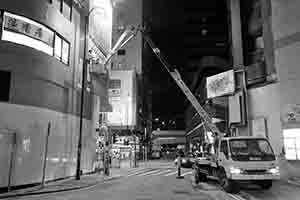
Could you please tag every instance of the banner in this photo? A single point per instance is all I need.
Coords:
(220, 84)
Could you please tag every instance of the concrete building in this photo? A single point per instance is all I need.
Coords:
(126, 66)
(41, 53)
(266, 41)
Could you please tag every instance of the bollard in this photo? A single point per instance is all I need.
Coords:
(179, 168)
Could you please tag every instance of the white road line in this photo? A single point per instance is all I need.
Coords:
(139, 172)
(147, 173)
(162, 172)
(236, 197)
(169, 174)
(186, 173)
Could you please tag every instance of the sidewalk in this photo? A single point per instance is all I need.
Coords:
(289, 172)
(65, 185)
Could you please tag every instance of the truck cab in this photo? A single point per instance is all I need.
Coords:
(235, 160)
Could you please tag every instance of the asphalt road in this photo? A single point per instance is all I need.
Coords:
(157, 181)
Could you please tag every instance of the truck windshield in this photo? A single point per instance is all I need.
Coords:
(251, 150)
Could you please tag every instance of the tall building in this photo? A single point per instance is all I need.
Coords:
(126, 69)
(41, 53)
(265, 40)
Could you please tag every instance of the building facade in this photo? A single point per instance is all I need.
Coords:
(126, 66)
(270, 53)
(41, 50)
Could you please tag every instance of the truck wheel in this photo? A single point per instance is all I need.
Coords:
(265, 184)
(203, 177)
(227, 184)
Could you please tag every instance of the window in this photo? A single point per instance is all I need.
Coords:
(224, 148)
(62, 50)
(5, 78)
(21, 30)
(58, 47)
(64, 6)
(66, 9)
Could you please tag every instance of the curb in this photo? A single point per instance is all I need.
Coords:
(59, 190)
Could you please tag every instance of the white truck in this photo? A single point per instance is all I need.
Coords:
(236, 160)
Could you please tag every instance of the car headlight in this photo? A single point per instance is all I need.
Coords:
(234, 170)
(274, 170)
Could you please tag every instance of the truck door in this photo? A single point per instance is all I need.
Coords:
(224, 154)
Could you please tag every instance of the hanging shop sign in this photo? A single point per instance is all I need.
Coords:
(221, 84)
(30, 28)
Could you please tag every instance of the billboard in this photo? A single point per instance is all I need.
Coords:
(221, 84)
(122, 97)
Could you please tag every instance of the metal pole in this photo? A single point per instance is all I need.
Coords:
(134, 150)
(84, 68)
(12, 153)
(45, 155)
(145, 142)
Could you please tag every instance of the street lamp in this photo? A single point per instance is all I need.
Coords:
(84, 69)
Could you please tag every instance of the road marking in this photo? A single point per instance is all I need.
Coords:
(162, 172)
(147, 173)
(169, 174)
(139, 172)
(235, 196)
(186, 173)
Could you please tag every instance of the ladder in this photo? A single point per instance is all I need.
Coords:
(174, 74)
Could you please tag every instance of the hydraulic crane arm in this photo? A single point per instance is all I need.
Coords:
(129, 34)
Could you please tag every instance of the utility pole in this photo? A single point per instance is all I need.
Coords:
(84, 68)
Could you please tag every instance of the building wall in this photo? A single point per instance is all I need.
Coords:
(127, 13)
(264, 102)
(276, 101)
(43, 90)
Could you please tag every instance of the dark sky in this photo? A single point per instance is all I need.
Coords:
(176, 28)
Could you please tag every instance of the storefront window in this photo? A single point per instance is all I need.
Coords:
(291, 139)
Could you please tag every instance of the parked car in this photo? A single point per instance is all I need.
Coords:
(156, 155)
(187, 161)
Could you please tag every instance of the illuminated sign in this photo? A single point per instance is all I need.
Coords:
(220, 84)
(27, 32)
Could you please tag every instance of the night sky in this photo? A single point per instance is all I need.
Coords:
(177, 29)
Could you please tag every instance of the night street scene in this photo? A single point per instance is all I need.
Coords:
(150, 100)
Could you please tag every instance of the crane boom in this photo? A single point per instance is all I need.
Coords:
(174, 74)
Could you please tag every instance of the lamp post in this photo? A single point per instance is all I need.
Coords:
(83, 81)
